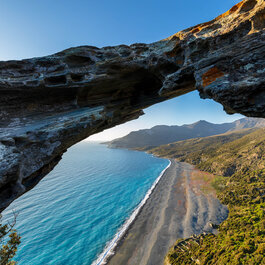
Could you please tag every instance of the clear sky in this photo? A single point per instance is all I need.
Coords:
(31, 28)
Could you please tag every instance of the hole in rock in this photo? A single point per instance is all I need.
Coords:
(185, 109)
(56, 80)
(248, 5)
(93, 183)
(78, 59)
(77, 77)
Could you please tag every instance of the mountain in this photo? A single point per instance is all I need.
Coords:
(193, 150)
(222, 154)
(162, 134)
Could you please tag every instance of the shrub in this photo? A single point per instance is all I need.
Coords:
(9, 242)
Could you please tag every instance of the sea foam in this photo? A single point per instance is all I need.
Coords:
(110, 247)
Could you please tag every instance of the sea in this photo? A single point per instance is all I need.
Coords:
(80, 210)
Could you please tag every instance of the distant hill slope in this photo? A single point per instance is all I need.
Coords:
(220, 154)
(162, 134)
(182, 150)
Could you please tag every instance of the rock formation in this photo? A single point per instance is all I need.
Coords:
(48, 104)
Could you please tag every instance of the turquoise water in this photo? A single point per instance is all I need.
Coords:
(74, 211)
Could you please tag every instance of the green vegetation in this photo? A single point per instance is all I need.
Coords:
(193, 149)
(9, 246)
(183, 150)
(221, 154)
(241, 186)
(241, 238)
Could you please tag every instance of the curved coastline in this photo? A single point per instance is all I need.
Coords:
(162, 219)
(109, 250)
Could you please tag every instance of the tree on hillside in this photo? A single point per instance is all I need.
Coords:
(9, 240)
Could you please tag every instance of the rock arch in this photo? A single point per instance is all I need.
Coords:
(48, 104)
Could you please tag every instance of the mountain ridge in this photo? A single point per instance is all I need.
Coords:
(164, 134)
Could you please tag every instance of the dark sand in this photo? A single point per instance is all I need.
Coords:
(176, 208)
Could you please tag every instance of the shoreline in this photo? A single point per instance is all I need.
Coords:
(112, 245)
(175, 209)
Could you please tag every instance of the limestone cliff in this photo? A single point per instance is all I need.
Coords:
(48, 104)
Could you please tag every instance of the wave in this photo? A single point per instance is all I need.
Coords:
(110, 246)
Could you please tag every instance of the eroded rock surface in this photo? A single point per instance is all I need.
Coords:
(48, 104)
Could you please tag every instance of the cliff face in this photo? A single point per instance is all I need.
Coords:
(48, 104)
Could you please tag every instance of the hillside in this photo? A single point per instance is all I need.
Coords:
(221, 154)
(240, 164)
(182, 149)
(162, 134)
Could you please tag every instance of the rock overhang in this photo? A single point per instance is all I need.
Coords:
(52, 102)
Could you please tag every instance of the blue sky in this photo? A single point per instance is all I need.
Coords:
(31, 28)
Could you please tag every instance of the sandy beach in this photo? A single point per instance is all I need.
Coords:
(181, 204)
